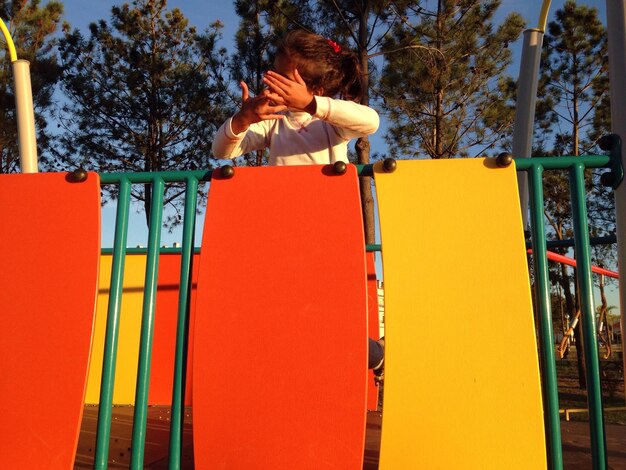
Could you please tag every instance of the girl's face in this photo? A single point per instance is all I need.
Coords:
(285, 67)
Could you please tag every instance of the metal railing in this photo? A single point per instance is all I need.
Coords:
(535, 168)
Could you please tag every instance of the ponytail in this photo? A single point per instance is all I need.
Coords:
(351, 85)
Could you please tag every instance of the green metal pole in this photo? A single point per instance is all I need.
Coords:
(546, 336)
(147, 327)
(585, 289)
(112, 328)
(182, 328)
(551, 163)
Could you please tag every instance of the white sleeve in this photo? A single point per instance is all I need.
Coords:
(351, 120)
(227, 144)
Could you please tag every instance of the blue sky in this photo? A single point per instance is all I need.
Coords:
(201, 13)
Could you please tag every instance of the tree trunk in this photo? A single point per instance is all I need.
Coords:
(438, 128)
(362, 145)
(147, 204)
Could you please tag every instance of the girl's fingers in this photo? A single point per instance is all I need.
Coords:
(273, 109)
(266, 106)
(275, 98)
(274, 85)
(298, 78)
(244, 92)
(278, 77)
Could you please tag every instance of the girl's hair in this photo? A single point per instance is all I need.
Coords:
(323, 64)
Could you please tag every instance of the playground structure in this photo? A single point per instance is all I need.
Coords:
(544, 452)
(483, 290)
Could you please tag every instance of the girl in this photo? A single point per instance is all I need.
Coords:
(299, 116)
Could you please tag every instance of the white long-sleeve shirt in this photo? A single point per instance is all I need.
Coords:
(301, 138)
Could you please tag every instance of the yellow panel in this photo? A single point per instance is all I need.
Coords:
(462, 386)
(130, 327)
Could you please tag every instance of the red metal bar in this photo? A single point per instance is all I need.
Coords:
(572, 262)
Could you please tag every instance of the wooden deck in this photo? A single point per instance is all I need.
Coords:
(576, 447)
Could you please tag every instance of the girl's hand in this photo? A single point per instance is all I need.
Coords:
(292, 93)
(258, 108)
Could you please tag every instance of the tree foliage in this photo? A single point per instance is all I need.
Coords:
(573, 89)
(444, 83)
(31, 27)
(143, 93)
(574, 78)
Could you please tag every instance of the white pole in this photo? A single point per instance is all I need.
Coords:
(525, 108)
(25, 116)
(616, 27)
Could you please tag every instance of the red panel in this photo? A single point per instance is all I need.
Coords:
(50, 241)
(280, 338)
(165, 325)
(372, 324)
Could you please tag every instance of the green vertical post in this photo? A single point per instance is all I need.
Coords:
(182, 328)
(147, 327)
(112, 329)
(585, 290)
(546, 336)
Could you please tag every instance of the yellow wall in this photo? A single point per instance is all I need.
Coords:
(130, 325)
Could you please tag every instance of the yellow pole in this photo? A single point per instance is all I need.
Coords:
(24, 106)
(9, 40)
(543, 16)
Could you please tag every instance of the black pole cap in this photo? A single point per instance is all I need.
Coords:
(227, 171)
(389, 165)
(504, 160)
(607, 179)
(339, 168)
(78, 175)
(606, 142)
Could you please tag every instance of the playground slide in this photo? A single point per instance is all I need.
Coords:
(50, 242)
(280, 342)
(462, 383)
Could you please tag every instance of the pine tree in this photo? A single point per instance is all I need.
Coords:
(144, 94)
(445, 88)
(573, 98)
(32, 28)
(574, 75)
(573, 84)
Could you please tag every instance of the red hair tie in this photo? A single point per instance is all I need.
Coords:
(336, 47)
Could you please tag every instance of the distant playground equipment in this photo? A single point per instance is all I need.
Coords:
(602, 327)
(57, 291)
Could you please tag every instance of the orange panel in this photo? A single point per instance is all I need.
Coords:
(50, 241)
(372, 324)
(281, 337)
